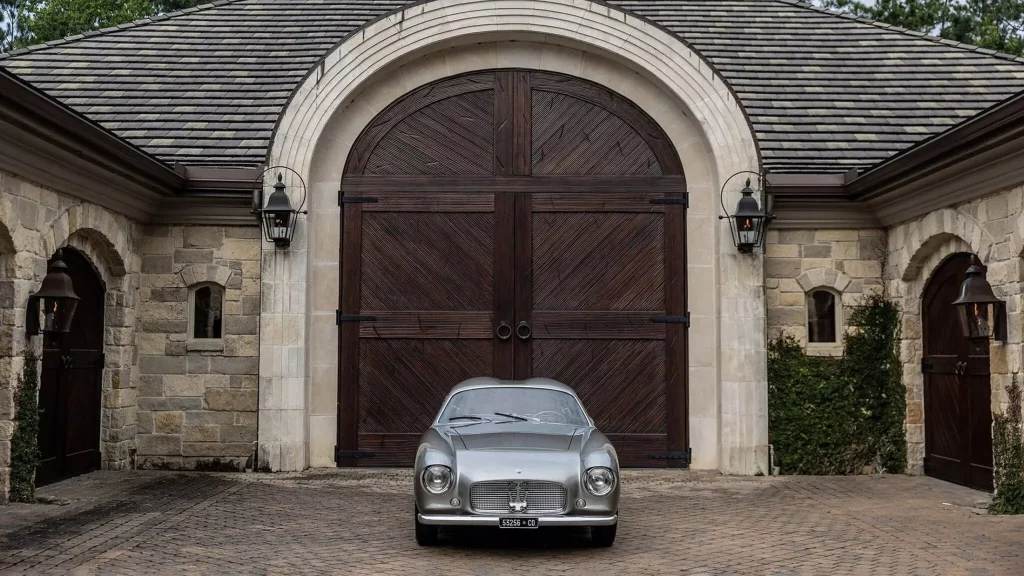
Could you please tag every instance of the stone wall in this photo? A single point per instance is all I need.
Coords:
(849, 262)
(198, 398)
(991, 228)
(34, 222)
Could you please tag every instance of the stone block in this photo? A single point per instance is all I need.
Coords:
(788, 316)
(151, 245)
(246, 365)
(231, 400)
(244, 418)
(836, 235)
(157, 264)
(241, 249)
(217, 380)
(782, 267)
(198, 364)
(168, 422)
(201, 434)
(816, 251)
(242, 325)
(146, 423)
(249, 232)
(151, 385)
(791, 299)
(162, 364)
(189, 385)
(848, 250)
(247, 381)
(207, 418)
(164, 325)
(168, 294)
(193, 256)
(796, 236)
(170, 404)
(214, 449)
(251, 305)
(238, 433)
(782, 250)
(242, 345)
(159, 444)
(862, 268)
(203, 237)
(175, 349)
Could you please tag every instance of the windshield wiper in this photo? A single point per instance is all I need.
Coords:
(513, 416)
(469, 417)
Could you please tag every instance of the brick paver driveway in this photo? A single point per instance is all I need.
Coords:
(361, 522)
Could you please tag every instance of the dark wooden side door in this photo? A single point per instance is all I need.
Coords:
(71, 382)
(512, 224)
(957, 401)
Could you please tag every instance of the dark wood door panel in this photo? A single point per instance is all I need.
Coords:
(555, 229)
(957, 389)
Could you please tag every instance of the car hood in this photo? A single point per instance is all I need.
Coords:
(516, 436)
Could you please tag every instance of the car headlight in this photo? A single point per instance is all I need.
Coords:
(437, 479)
(599, 481)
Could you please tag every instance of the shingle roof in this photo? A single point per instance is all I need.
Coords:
(823, 92)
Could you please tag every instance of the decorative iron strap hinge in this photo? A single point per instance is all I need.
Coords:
(339, 454)
(926, 366)
(342, 199)
(339, 318)
(684, 319)
(684, 200)
(684, 456)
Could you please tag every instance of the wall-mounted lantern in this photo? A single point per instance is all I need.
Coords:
(58, 299)
(749, 222)
(982, 315)
(277, 217)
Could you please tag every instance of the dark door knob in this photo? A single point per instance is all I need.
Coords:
(503, 331)
(523, 331)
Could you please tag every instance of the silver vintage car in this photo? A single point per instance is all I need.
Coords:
(515, 455)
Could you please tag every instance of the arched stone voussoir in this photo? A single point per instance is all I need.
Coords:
(823, 278)
(198, 273)
(109, 230)
(935, 230)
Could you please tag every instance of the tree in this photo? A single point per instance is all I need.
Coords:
(993, 24)
(27, 22)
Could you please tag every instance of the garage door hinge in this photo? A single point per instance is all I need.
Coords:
(684, 200)
(684, 319)
(342, 199)
(339, 318)
(684, 456)
(340, 454)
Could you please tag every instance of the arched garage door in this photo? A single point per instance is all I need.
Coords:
(530, 199)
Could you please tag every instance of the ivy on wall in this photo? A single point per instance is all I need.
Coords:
(840, 415)
(25, 440)
(1008, 455)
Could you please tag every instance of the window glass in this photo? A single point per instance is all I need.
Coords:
(207, 304)
(821, 316)
(534, 404)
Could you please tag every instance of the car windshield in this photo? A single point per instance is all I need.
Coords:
(502, 404)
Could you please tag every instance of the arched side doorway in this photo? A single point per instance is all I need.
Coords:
(957, 386)
(515, 197)
(71, 382)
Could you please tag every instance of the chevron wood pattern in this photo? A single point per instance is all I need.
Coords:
(958, 417)
(518, 197)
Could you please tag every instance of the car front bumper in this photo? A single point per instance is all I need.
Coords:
(482, 520)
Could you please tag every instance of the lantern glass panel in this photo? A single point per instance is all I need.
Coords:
(277, 224)
(58, 313)
(975, 319)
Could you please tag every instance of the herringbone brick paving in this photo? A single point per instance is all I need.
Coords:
(360, 522)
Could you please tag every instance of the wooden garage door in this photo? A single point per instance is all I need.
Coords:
(512, 197)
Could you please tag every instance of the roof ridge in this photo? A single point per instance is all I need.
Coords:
(127, 25)
(879, 24)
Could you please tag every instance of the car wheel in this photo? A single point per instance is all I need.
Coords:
(603, 536)
(426, 535)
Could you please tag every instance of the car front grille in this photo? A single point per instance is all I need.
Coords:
(502, 497)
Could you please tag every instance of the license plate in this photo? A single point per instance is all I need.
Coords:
(517, 523)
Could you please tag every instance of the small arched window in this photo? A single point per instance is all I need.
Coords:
(206, 306)
(822, 317)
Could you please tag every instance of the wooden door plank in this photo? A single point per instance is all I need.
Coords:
(677, 334)
(348, 361)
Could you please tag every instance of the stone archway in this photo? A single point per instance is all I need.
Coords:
(432, 40)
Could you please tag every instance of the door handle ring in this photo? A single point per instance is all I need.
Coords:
(523, 331)
(503, 331)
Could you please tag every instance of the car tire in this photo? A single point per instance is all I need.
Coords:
(426, 535)
(603, 536)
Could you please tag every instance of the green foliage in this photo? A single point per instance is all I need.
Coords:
(992, 24)
(1008, 455)
(837, 415)
(27, 22)
(25, 441)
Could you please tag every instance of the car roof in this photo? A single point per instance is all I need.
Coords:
(486, 382)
